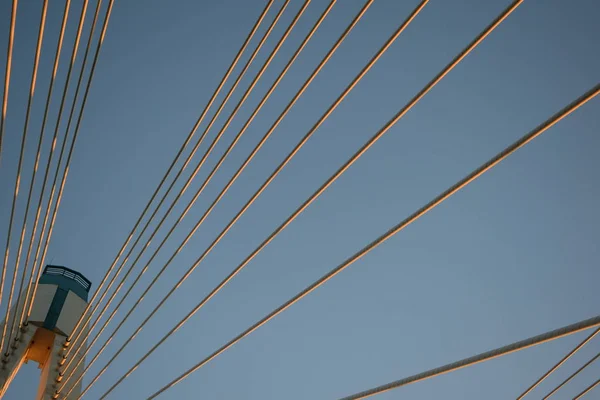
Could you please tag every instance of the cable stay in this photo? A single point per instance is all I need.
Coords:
(184, 145)
(232, 89)
(593, 92)
(7, 71)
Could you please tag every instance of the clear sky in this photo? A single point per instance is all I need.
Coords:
(513, 255)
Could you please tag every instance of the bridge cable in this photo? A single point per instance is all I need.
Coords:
(280, 167)
(213, 171)
(391, 232)
(16, 322)
(587, 390)
(318, 192)
(32, 84)
(192, 176)
(7, 71)
(183, 146)
(72, 145)
(573, 375)
(37, 272)
(206, 181)
(488, 355)
(558, 364)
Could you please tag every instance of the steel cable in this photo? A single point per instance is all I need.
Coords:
(488, 355)
(7, 71)
(196, 147)
(32, 85)
(573, 375)
(587, 390)
(256, 149)
(37, 159)
(558, 364)
(186, 185)
(183, 146)
(36, 272)
(73, 141)
(269, 180)
(390, 233)
(77, 336)
(204, 184)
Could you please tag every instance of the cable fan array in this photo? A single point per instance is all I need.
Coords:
(89, 328)
(31, 267)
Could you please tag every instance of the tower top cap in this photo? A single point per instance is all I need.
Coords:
(81, 283)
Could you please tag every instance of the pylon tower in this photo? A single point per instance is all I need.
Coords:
(60, 300)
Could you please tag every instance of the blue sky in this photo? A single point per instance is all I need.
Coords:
(513, 255)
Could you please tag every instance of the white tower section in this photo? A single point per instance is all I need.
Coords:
(60, 300)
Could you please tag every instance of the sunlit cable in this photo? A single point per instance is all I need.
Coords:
(193, 152)
(36, 272)
(587, 390)
(254, 113)
(394, 230)
(200, 164)
(26, 125)
(573, 375)
(17, 322)
(32, 84)
(74, 140)
(7, 71)
(479, 358)
(558, 364)
(42, 129)
(354, 82)
(75, 347)
(183, 146)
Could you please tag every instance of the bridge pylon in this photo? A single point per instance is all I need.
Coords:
(60, 300)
